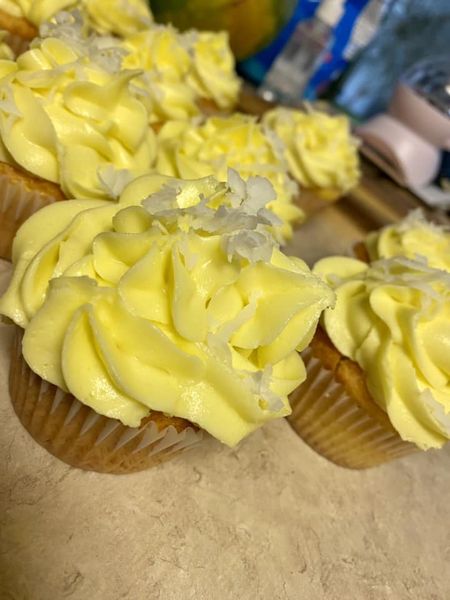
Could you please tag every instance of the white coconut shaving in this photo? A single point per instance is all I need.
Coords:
(242, 219)
(70, 27)
(114, 180)
(416, 219)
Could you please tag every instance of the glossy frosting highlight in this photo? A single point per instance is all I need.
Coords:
(393, 318)
(171, 304)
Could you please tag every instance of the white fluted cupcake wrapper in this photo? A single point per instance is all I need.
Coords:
(80, 437)
(329, 420)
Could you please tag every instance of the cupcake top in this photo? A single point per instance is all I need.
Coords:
(319, 148)
(119, 17)
(413, 237)
(190, 150)
(393, 318)
(67, 114)
(170, 304)
(181, 68)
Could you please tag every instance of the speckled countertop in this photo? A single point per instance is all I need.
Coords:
(269, 520)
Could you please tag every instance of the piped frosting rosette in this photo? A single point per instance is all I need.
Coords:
(413, 237)
(182, 304)
(67, 114)
(183, 74)
(190, 150)
(393, 318)
(319, 149)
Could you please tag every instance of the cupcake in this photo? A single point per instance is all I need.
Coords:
(321, 153)
(186, 74)
(168, 318)
(22, 20)
(69, 118)
(413, 237)
(190, 150)
(378, 369)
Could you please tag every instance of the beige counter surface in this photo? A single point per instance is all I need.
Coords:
(268, 520)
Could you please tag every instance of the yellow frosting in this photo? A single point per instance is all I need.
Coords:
(36, 11)
(393, 318)
(213, 73)
(188, 151)
(68, 116)
(180, 68)
(319, 148)
(413, 237)
(119, 17)
(172, 305)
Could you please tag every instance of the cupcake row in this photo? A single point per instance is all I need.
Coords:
(145, 323)
(152, 301)
(83, 114)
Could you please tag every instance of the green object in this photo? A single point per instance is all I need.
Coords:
(251, 24)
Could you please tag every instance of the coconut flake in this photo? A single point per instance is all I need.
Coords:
(114, 180)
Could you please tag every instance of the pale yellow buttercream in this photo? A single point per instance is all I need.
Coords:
(412, 237)
(173, 305)
(188, 150)
(318, 147)
(393, 318)
(118, 17)
(68, 116)
(181, 68)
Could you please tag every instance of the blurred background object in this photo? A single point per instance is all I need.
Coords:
(408, 139)
(251, 24)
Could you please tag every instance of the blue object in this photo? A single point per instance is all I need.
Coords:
(255, 67)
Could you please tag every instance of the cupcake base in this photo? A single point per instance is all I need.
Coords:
(80, 437)
(333, 412)
(21, 195)
(19, 32)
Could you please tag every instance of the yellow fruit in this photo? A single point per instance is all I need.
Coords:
(251, 24)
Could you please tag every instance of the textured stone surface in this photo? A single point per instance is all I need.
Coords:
(269, 520)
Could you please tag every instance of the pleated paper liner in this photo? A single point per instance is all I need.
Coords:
(19, 30)
(79, 436)
(333, 412)
(21, 195)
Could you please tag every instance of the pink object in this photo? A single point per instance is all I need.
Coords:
(407, 141)
(398, 150)
(420, 116)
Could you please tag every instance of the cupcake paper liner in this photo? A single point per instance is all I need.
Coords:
(21, 195)
(329, 417)
(79, 436)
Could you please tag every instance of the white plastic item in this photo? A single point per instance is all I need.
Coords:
(406, 156)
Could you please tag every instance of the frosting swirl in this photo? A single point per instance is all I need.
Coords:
(172, 305)
(67, 116)
(393, 318)
(319, 148)
(413, 237)
(119, 17)
(180, 68)
(188, 151)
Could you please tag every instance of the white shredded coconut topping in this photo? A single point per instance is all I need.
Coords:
(242, 219)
